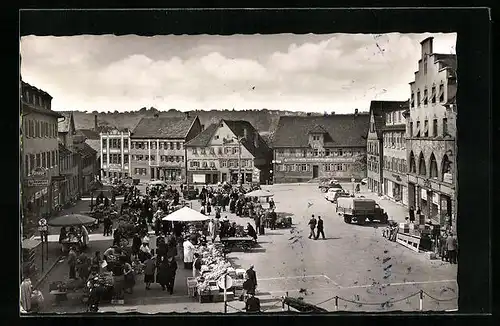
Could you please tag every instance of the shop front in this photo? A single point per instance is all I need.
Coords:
(395, 188)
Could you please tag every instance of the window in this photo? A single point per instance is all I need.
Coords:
(38, 161)
(219, 150)
(125, 159)
(412, 100)
(411, 129)
(445, 127)
(327, 167)
(426, 128)
(425, 97)
(315, 152)
(54, 163)
(212, 150)
(413, 168)
(212, 165)
(104, 143)
(202, 151)
(178, 146)
(235, 150)
(205, 164)
(421, 165)
(433, 94)
(327, 152)
(441, 93)
(418, 129)
(195, 151)
(223, 163)
(434, 128)
(389, 118)
(433, 167)
(425, 64)
(303, 167)
(418, 98)
(171, 145)
(340, 152)
(104, 159)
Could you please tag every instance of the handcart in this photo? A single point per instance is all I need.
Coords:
(241, 243)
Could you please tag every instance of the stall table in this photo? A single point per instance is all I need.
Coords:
(244, 243)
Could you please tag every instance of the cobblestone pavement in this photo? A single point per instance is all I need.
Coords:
(354, 263)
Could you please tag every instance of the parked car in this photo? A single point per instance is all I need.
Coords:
(328, 184)
(357, 210)
(333, 193)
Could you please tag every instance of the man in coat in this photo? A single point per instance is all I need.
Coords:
(412, 214)
(312, 226)
(319, 229)
(252, 304)
(253, 277)
(72, 263)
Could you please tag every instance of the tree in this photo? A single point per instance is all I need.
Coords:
(359, 165)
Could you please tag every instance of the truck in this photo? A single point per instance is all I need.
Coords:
(357, 210)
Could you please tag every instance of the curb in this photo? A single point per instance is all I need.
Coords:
(44, 276)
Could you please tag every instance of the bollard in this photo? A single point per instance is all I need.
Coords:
(421, 300)
(288, 306)
(225, 307)
(336, 303)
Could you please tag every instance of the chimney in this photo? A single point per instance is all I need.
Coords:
(426, 46)
(202, 127)
(95, 122)
(187, 115)
(245, 133)
(256, 139)
(355, 112)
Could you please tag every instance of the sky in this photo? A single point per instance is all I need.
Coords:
(310, 72)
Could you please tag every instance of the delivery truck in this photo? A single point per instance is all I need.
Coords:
(358, 210)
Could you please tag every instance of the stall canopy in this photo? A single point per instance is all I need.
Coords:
(186, 214)
(259, 193)
(71, 220)
(157, 183)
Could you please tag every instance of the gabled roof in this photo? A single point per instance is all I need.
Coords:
(380, 108)
(95, 144)
(238, 127)
(341, 130)
(88, 133)
(64, 125)
(63, 150)
(86, 150)
(204, 137)
(163, 127)
(317, 129)
(33, 88)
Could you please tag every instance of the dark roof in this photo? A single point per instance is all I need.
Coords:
(342, 130)
(63, 150)
(63, 125)
(380, 108)
(448, 60)
(86, 150)
(38, 90)
(95, 144)
(203, 138)
(163, 127)
(88, 133)
(238, 128)
(317, 129)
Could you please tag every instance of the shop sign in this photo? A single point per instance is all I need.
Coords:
(39, 173)
(423, 194)
(38, 182)
(331, 160)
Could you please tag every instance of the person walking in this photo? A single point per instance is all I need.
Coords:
(129, 276)
(171, 266)
(312, 226)
(273, 217)
(252, 304)
(162, 274)
(72, 263)
(149, 269)
(25, 294)
(253, 277)
(319, 229)
(451, 246)
(412, 214)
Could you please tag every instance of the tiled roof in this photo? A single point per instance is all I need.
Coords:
(95, 144)
(448, 60)
(63, 150)
(238, 128)
(203, 138)
(86, 150)
(380, 108)
(163, 127)
(63, 125)
(42, 92)
(317, 129)
(88, 133)
(342, 130)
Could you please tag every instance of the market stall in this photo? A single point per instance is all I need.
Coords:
(72, 238)
(244, 243)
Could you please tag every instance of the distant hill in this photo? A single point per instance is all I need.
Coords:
(265, 121)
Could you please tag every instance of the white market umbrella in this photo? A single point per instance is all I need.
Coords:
(186, 214)
(157, 183)
(259, 193)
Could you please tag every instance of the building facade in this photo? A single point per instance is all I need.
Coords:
(115, 154)
(88, 169)
(329, 146)
(92, 138)
(228, 151)
(395, 177)
(69, 159)
(157, 147)
(39, 152)
(431, 136)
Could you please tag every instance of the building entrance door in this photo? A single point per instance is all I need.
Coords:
(315, 171)
(215, 178)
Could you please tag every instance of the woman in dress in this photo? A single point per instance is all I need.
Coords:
(149, 269)
(128, 274)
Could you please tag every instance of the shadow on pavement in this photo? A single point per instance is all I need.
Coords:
(375, 225)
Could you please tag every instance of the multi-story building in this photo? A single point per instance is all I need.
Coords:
(395, 178)
(380, 129)
(39, 152)
(431, 135)
(331, 146)
(228, 151)
(92, 138)
(115, 154)
(69, 159)
(88, 169)
(157, 147)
